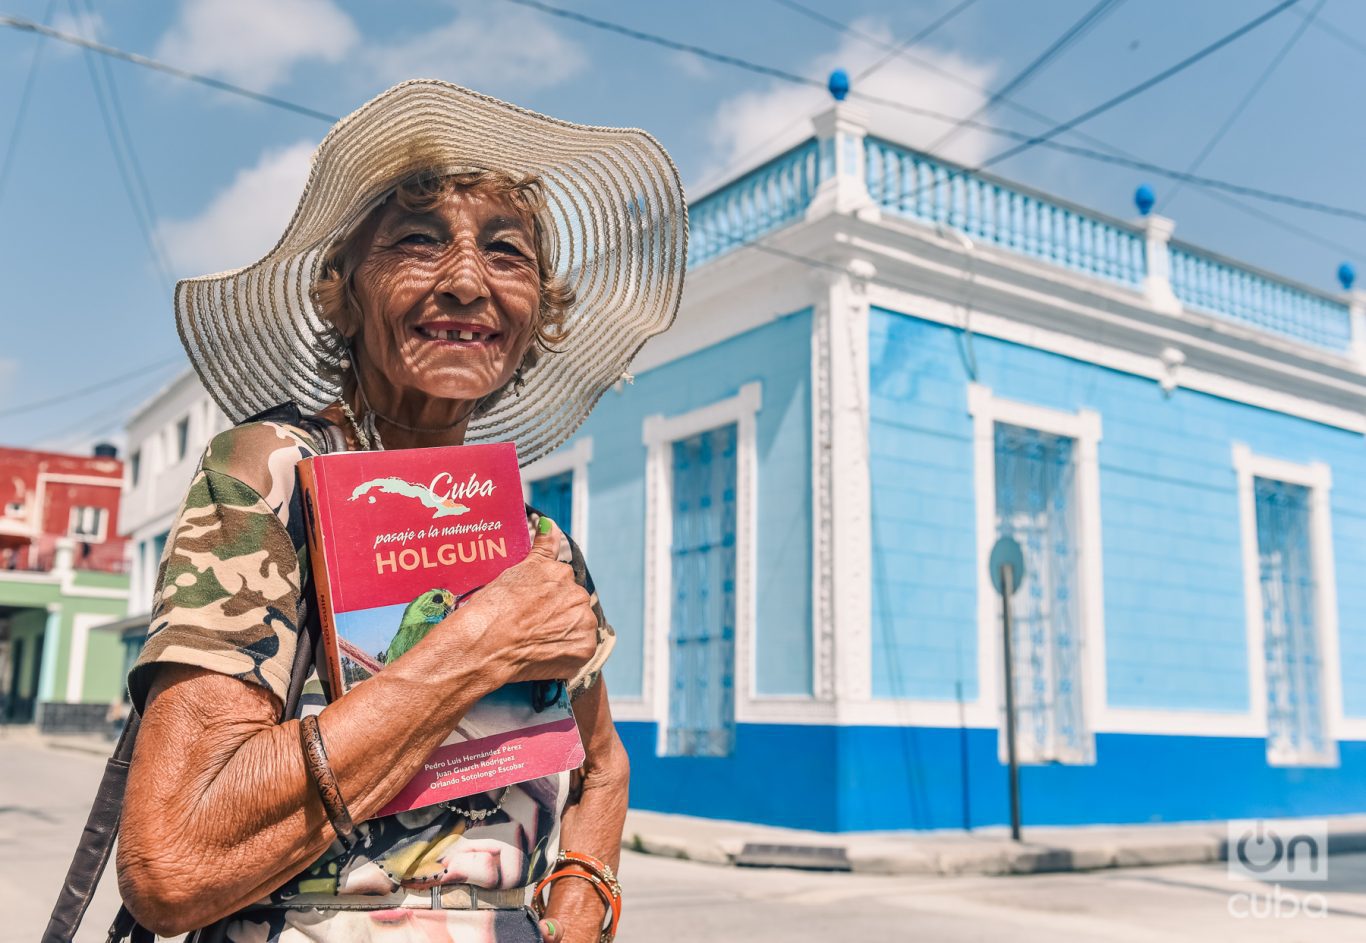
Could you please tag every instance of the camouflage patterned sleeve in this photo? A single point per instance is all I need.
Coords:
(228, 594)
(607, 637)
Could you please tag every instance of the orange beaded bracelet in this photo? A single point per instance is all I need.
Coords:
(575, 864)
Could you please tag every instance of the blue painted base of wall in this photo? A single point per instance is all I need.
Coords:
(868, 778)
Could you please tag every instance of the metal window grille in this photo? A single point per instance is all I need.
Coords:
(1036, 504)
(702, 622)
(554, 497)
(1294, 672)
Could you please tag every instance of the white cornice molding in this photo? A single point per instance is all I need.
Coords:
(925, 274)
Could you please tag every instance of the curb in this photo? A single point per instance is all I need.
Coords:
(78, 744)
(984, 857)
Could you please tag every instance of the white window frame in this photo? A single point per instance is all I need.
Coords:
(659, 433)
(102, 517)
(1318, 478)
(574, 459)
(1084, 428)
(81, 624)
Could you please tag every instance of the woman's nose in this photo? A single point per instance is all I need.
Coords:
(462, 277)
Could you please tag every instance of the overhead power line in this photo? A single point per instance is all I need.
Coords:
(903, 51)
(1324, 25)
(900, 49)
(1033, 140)
(1147, 166)
(893, 51)
(24, 95)
(642, 36)
(1056, 48)
(142, 371)
(1143, 86)
(125, 155)
(19, 23)
(1247, 98)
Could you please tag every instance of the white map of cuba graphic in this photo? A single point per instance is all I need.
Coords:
(443, 495)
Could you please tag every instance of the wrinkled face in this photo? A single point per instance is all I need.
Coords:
(448, 296)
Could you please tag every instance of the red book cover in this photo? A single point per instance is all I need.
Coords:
(399, 540)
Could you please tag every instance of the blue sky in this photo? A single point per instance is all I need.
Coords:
(83, 300)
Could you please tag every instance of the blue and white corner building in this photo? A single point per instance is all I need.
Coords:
(883, 362)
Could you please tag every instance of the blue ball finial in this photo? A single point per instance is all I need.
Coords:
(838, 84)
(1144, 198)
(1347, 275)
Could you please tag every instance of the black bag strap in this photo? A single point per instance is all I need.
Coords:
(102, 824)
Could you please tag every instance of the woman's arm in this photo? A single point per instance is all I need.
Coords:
(220, 809)
(594, 819)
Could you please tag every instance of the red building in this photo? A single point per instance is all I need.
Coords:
(45, 496)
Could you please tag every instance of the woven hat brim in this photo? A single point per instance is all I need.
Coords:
(620, 226)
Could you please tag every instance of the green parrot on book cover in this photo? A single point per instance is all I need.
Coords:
(422, 613)
(430, 608)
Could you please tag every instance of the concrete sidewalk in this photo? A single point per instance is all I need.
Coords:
(26, 734)
(986, 851)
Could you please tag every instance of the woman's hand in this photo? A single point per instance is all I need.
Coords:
(593, 820)
(538, 620)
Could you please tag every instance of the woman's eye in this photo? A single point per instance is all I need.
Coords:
(417, 239)
(503, 247)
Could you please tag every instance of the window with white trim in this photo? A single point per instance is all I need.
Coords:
(1038, 483)
(1291, 602)
(182, 437)
(699, 620)
(87, 523)
(701, 648)
(557, 486)
(553, 496)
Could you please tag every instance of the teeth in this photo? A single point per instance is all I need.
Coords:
(452, 335)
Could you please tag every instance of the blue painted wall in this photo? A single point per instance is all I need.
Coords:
(1174, 620)
(778, 355)
(1174, 617)
(923, 777)
(849, 779)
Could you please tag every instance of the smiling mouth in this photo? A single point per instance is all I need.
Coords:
(456, 335)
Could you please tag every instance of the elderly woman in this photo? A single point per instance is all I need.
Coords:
(457, 270)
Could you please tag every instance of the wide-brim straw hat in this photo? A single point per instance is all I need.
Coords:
(619, 230)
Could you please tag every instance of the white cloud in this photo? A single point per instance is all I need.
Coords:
(245, 219)
(757, 124)
(256, 42)
(490, 47)
(690, 64)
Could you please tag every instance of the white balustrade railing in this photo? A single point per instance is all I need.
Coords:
(1211, 284)
(772, 195)
(904, 182)
(907, 183)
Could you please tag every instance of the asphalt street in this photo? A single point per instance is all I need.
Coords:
(44, 793)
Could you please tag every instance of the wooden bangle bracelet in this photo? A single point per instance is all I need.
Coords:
(320, 771)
